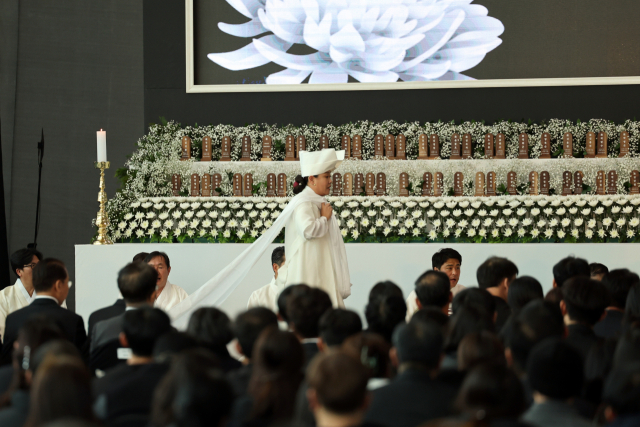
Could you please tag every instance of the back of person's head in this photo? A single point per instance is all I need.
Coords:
(169, 345)
(523, 290)
(619, 283)
(156, 254)
(47, 273)
(419, 343)
(467, 320)
(384, 289)
(632, 307)
(23, 257)
(277, 256)
(585, 299)
(628, 348)
(137, 282)
(384, 314)
(477, 298)
(494, 270)
(140, 257)
(372, 350)
(284, 297)
(338, 383)
(57, 348)
(277, 360)
(443, 255)
(249, 325)
(431, 314)
(491, 392)
(570, 267)
(193, 393)
(336, 325)
(554, 296)
(142, 328)
(61, 389)
(597, 271)
(478, 348)
(555, 369)
(304, 310)
(536, 322)
(433, 289)
(622, 390)
(211, 328)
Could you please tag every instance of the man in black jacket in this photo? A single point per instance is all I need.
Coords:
(495, 275)
(51, 283)
(618, 283)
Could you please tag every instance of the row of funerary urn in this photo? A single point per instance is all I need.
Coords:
(372, 185)
(394, 148)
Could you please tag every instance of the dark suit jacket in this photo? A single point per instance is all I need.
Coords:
(69, 322)
(239, 379)
(16, 414)
(504, 312)
(310, 351)
(553, 413)
(105, 343)
(610, 326)
(411, 399)
(582, 338)
(105, 313)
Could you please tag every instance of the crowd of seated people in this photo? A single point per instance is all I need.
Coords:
(501, 353)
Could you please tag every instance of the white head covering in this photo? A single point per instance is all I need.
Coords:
(317, 162)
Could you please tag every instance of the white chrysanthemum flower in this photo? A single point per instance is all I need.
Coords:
(513, 222)
(344, 232)
(627, 209)
(226, 234)
(630, 233)
(607, 222)
(402, 231)
(345, 213)
(620, 222)
(156, 224)
(463, 223)
(367, 203)
(378, 203)
(450, 222)
(372, 230)
(482, 212)
(585, 212)
(535, 232)
(184, 206)
(548, 233)
(409, 204)
(614, 233)
(575, 233)
(386, 231)
(495, 233)
(541, 223)
(135, 204)
(275, 214)
(182, 224)
(634, 222)
(402, 214)
(253, 214)
(431, 213)
(476, 204)
(139, 215)
(220, 223)
(189, 214)
(437, 223)
(573, 211)
(207, 205)
(122, 225)
(494, 212)
(206, 223)
(527, 222)
(607, 203)
(553, 222)
(239, 214)
(591, 223)
(372, 212)
(164, 234)
(245, 223)
(261, 205)
(508, 232)
(578, 222)
(171, 205)
(168, 223)
(394, 222)
(253, 233)
(548, 211)
(258, 224)
(433, 235)
(487, 222)
(469, 212)
(379, 222)
(386, 212)
(150, 215)
(364, 222)
(471, 232)
(144, 224)
(438, 205)
(475, 223)
(521, 232)
(213, 214)
(507, 212)
(128, 216)
(565, 222)
(422, 223)
(561, 234)
(409, 223)
(416, 232)
(339, 204)
(268, 223)
(416, 214)
(264, 214)
(599, 210)
(355, 234)
(458, 232)
(457, 213)
(615, 209)
(500, 222)
(602, 233)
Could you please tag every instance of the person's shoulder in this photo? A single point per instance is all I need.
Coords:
(180, 291)
(7, 292)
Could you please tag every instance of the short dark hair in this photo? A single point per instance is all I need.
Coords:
(570, 267)
(523, 290)
(419, 343)
(619, 283)
(22, 257)
(140, 257)
(536, 321)
(211, 327)
(47, 273)
(596, 269)
(156, 254)
(304, 310)
(142, 327)
(137, 282)
(478, 298)
(431, 314)
(372, 351)
(554, 295)
(480, 347)
(433, 289)
(494, 270)
(443, 255)
(632, 307)
(622, 388)
(169, 345)
(383, 289)
(284, 297)
(250, 324)
(628, 348)
(465, 321)
(336, 325)
(555, 369)
(277, 256)
(384, 314)
(585, 299)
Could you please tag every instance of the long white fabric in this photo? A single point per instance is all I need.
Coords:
(266, 296)
(217, 289)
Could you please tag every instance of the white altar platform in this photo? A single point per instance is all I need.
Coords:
(193, 264)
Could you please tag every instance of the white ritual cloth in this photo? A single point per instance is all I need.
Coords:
(170, 296)
(412, 305)
(217, 289)
(266, 296)
(13, 298)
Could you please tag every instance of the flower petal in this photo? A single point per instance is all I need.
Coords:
(348, 38)
(287, 77)
(248, 8)
(248, 56)
(297, 62)
(317, 35)
(248, 29)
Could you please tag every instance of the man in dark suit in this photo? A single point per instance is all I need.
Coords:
(127, 390)
(51, 283)
(304, 309)
(618, 283)
(495, 275)
(137, 284)
(414, 396)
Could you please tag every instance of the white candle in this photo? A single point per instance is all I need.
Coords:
(102, 145)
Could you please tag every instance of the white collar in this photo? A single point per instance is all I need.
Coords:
(46, 297)
(24, 291)
(310, 341)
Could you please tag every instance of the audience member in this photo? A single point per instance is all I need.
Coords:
(555, 372)
(126, 391)
(414, 396)
(384, 314)
(373, 352)
(140, 257)
(168, 294)
(171, 344)
(554, 295)
(248, 327)
(337, 390)
(618, 283)
(628, 348)
(622, 396)
(479, 348)
(467, 320)
(137, 285)
(51, 283)
(632, 308)
(212, 329)
(336, 325)
(267, 296)
(597, 271)
(477, 298)
(383, 289)
(433, 290)
(569, 267)
(284, 297)
(583, 306)
(432, 314)
(448, 261)
(192, 394)
(495, 276)
(523, 290)
(21, 293)
(304, 309)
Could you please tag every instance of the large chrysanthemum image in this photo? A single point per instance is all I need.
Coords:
(369, 40)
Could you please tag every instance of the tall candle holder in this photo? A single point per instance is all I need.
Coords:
(102, 220)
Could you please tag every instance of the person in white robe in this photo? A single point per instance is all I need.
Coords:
(169, 294)
(20, 294)
(267, 296)
(449, 261)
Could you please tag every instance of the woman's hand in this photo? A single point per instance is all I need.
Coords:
(326, 210)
